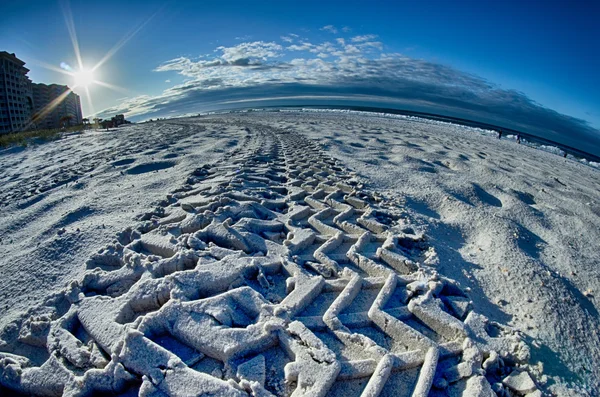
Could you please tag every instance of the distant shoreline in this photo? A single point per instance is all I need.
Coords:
(454, 120)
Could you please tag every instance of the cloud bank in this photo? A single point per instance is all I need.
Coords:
(348, 70)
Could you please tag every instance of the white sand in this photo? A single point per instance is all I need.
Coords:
(516, 226)
(519, 226)
(84, 182)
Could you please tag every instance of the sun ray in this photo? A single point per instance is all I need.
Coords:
(49, 66)
(128, 36)
(48, 108)
(66, 8)
(89, 99)
(113, 87)
(83, 77)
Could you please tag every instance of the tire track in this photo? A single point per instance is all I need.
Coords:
(272, 272)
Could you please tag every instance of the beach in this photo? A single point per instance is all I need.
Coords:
(325, 253)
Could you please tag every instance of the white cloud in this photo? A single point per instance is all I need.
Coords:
(374, 44)
(287, 39)
(366, 37)
(351, 49)
(329, 28)
(257, 50)
(167, 81)
(325, 47)
(346, 29)
(250, 69)
(254, 63)
(302, 47)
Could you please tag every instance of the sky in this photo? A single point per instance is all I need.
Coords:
(528, 65)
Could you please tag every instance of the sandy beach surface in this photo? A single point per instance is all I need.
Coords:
(292, 253)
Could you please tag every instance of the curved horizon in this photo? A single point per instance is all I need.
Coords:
(537, 74)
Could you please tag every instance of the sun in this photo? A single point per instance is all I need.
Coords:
(83, 78)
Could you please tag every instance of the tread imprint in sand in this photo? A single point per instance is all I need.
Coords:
(272, 272)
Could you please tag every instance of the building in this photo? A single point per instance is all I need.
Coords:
(16, 101)
(116, 121)
(25, 105)
(52, 104)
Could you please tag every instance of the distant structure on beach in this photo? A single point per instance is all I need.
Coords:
(25, 105)
(115, 121)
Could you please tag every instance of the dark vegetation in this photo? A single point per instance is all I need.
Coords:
(25, 138)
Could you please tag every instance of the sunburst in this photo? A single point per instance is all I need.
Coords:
(83, 78)
(86, 77)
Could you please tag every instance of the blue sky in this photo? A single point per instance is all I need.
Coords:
(530, 65)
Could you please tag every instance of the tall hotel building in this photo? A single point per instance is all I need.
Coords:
(25, 105)
(51, 103)
(16, 99)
